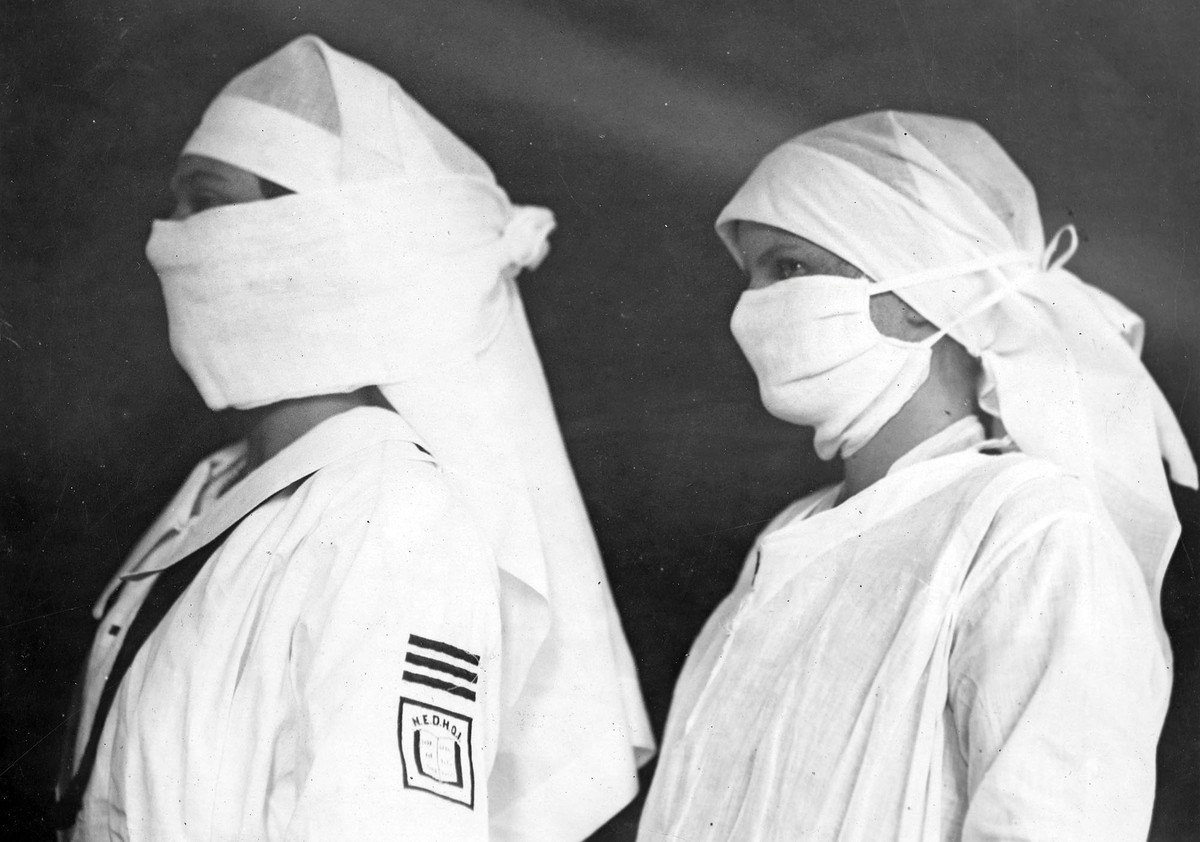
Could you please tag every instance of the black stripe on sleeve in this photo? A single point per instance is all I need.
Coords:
(441, 666)
(437, 684)
(443, 648)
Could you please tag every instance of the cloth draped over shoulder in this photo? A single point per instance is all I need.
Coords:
(394, 265)
(902, 195)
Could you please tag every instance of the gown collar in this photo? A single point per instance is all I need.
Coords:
(964, 434)
(334, 439)
(814, 525)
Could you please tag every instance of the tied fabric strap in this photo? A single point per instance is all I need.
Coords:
(164, 593)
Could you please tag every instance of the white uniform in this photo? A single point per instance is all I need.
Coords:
(965, 650)
(331, 673)
(394, 265)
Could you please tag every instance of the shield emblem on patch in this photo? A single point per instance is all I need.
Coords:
(435, 751)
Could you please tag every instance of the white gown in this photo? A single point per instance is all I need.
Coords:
(965, 650)
(331, 673)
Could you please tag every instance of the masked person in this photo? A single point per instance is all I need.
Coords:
(395, 624)
(961, 640)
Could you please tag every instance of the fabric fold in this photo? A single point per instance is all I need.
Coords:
(394, 267)
(900, 194)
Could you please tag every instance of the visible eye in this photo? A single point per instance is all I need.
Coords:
(789, 267)
(191, 202)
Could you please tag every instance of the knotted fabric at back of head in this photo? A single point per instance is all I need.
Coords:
(394, 265)
(905, 196)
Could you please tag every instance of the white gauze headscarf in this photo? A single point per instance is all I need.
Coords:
(904, 195)
(394, 265)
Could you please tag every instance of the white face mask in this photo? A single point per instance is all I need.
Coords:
(822, 363)
(329, 291)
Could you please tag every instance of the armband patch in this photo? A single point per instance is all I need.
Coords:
(441, 666)
(435, 751)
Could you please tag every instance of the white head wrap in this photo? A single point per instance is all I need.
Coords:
(903, 196)
(393, 265)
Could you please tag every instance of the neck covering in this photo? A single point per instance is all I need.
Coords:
(933, 208)
(394, 265)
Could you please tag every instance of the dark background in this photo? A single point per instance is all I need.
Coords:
(634, 121)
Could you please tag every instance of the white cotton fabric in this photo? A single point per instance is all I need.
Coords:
(821, 362)
(394, 265)
(373, 283)
(264, 707)
(898, 195)
(271, 143)
(964, 651)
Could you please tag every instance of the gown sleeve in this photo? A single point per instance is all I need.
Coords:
(1058, 684)
(395, 672)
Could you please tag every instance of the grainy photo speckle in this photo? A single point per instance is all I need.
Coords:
(448, 270)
